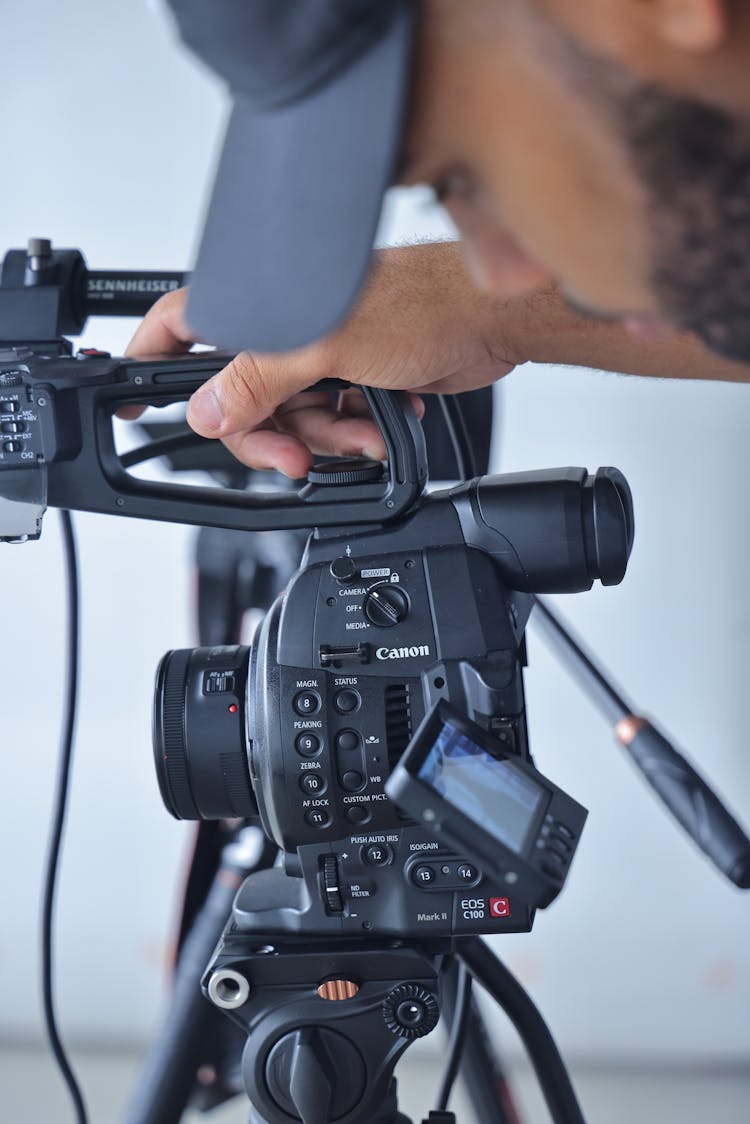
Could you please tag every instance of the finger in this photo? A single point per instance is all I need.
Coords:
(163, 329)
(333, 434)
(267, 449)
(129, 413)
(246, 393)
(354, 402)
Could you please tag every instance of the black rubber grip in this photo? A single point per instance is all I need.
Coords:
(693, 804)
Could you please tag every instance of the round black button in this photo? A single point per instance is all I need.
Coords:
(306, 702)
(313, 784)
(467, 873)
(357, 813)
(423, 875)
(318, 817)
(347, 739)
(377, 854)
(352, 780)
(346, 701)
(343, 569)
(307, 744)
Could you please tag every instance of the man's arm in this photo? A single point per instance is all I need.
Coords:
(546, 330)
(420, 325)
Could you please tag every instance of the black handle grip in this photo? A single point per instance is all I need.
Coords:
(68, 434)
(692, 802)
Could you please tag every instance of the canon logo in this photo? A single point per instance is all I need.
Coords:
(403, 653)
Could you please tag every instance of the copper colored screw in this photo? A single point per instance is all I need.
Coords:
(338, 989)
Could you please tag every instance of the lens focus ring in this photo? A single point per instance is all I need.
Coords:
(170, 751)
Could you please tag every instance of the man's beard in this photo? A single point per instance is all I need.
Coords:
(694, 163)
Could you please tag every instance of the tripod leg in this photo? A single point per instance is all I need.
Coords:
(534, 1032)
(481, 1069)
(168, 1076)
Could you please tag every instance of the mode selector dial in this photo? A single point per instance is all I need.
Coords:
(330, 882)
(386, 605)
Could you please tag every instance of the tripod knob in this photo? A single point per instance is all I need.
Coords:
(316, 1074)
(410, 1011)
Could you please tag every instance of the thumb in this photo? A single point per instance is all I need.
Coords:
(245, 393)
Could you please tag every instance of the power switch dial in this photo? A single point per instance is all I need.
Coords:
(386, 605)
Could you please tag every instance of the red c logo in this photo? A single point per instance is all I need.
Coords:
(499, 907)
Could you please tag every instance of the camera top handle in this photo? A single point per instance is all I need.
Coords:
(56, 440)
(62, 451)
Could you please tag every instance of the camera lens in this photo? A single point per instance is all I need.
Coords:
(200, 743)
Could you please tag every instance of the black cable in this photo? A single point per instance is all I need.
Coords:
(58, 821)
(466, 468)
(505, 989)
(162, 448)
(463, 449)
(457, 1035)
(493, 1095)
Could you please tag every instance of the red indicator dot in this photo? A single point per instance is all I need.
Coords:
(233, 708)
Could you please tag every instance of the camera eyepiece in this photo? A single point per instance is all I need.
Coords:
(552, 531)
(608, 525)
(199, 733)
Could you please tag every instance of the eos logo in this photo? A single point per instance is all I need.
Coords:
(403, 653)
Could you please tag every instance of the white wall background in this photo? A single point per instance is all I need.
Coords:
(107, 133)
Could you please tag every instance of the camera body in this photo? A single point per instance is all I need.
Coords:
(376, 627)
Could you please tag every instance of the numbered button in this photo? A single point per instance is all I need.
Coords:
(306, 702)
(467, 873)
(307, 745)
(313, 784)
(318, 817)
(423, 875)
(377, 854)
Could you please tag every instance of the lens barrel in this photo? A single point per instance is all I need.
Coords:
(199, 733)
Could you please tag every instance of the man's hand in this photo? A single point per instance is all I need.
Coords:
(420, 326)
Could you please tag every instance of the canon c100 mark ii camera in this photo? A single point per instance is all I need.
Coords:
(377, 628)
